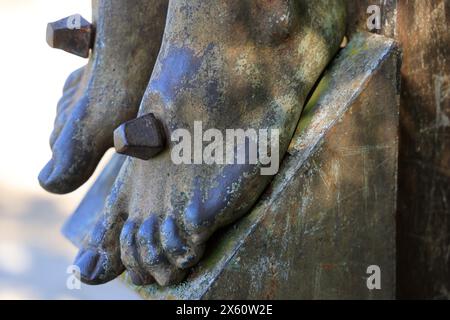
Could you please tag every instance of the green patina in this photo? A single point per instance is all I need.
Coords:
(310, 108)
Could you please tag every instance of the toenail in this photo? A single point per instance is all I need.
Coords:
(45, 174)
(73, 34)
(141, 138)
(87, 262)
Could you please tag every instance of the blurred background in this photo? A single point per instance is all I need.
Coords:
(34, 256)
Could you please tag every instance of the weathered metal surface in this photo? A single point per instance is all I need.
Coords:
(331, 213)
(357, 16)
(424, 164)
(253, 69)
(106, 92)
(73, 34)
(422, 29)
(141, 138)
(331, 210)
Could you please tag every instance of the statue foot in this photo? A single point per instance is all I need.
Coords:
(161, 213)
(104, 93)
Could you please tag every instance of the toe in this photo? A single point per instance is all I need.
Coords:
(68, 99)
(130, 256)
(152, 255)
(180, 251)
(63, 112)
(87, 262)
(99, 259)
(76, 153)
(74, 79)
(95, 267)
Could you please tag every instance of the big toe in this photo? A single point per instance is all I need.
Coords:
(71, 165)
(96, 267)
(76, 153)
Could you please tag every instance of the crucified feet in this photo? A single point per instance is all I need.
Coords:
(241, 65)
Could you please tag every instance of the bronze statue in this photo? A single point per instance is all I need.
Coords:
(237, 64)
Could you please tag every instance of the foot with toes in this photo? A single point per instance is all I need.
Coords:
(225, 65)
